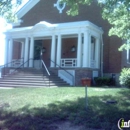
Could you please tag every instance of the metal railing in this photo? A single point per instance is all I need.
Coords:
(17, 63)
(48, 73)
(93, 64)
(64, 70)
(21, 66)
(15, 70)
(6, 65)
(69, 62)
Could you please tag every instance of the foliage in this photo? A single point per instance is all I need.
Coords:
(74, 5)
(117, 12)
(100, 81)
(8, 9)
(125, 77)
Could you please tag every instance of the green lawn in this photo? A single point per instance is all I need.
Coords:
(37, 108)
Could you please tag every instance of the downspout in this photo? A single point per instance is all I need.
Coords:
(102, 56)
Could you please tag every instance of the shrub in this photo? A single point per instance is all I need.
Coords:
(100, 81)
(125, 77)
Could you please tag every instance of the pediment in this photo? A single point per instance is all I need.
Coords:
(42, 25)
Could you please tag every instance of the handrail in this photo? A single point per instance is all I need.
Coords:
(21, 65)
(10, 62)
(45, 67)
(3, 66)
(46, 70)
(63, 69)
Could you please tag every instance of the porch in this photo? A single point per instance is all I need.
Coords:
(66, 45)
(69, 45)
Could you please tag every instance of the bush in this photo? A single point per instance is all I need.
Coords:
(125, 77)
(100, 81)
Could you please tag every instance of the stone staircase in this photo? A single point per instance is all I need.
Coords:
(30, 77)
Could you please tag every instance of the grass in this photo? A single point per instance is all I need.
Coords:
(37, 108)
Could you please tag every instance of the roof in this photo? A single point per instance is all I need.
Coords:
(28, 6)
(44, 28)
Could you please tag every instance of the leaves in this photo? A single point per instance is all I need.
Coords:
(8, 9)
(74, 5)
(118, 15)
(125, 77)
(117, 12)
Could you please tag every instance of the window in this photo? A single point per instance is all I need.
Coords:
(60, 5)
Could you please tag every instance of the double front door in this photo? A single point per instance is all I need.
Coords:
(42, 50)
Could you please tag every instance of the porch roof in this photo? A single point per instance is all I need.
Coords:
(44, 28)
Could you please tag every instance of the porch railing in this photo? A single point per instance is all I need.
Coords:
(17, 62)
(73, 78)
(93, 63)
(2, 67)
(69, 62)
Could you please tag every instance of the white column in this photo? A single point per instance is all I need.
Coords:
(53, 51)
(22, 50)
(31, 54)
(86, 49)
(26, 51)
(79, 51)
(10, 52)
(89, 52)
(6, 51)
(97, 53)
(58, 50)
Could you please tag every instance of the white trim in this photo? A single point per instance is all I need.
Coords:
(58, 6)
(58, 50)
(10, 54)
(97, 53)
(16, 62)
(53, 50)
(31, 52)
(46, 29)
(86, 49)
(26, 54)
(62, 26)
(68, 62)
(28, 6)
(67, 77)
(22, 49)
(79, 50)
(6, 51)
(18, 23)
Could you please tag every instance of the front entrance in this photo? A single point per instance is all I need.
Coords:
(37, 51)
(45, 47)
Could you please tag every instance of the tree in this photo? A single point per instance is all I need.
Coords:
(8, 9)
(117, 12)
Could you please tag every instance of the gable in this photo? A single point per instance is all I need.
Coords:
(28, 6)
(44, 10)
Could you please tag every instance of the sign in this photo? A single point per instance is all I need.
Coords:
(122, 124)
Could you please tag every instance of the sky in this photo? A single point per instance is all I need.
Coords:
(3, 27)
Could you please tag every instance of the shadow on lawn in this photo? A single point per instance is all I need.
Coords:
(98, 115)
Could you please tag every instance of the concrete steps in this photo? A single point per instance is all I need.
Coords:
(31, 78)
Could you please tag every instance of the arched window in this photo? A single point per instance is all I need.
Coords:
(60, 5)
